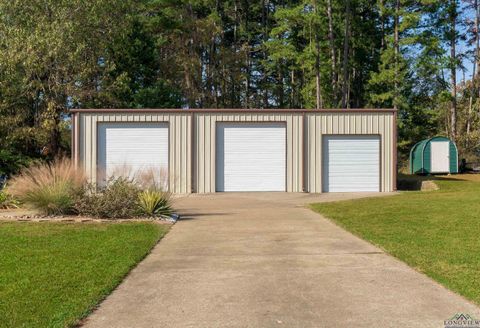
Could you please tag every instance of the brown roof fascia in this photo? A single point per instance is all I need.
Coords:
(233, 110)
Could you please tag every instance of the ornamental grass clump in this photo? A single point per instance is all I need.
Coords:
(154, 203)
(50, 188)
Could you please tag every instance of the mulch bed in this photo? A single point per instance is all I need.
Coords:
(20, 217)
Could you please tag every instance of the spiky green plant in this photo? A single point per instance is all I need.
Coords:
(154, 203)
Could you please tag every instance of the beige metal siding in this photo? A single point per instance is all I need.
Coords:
(318, 124)
(302, 170)
(179, 143)
(205, 124)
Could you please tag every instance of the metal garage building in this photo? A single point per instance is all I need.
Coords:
(203, 150)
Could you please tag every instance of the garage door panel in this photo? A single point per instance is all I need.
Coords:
(251, 157)
(351, 163)
(128, 148)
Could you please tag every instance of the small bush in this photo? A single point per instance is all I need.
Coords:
(11, 162)
(118, 199)
(7, 201)
(50, 188)
(154, 203)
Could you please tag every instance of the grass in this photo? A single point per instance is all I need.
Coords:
(53, 274)
(436, 232)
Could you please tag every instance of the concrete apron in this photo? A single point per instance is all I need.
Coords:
(263, 260)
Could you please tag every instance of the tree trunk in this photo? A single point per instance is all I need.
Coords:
(265, 39)
(317, 62)
(281, 95)
(476, 66)
(233, 89)
(52, 149)
(453, 69)
(292, 83)
(247, 77)
(333, 57)
(346, 50)
(397, 52)
(477, 41)
(474, 70)
(207, 88)
(188, 85)
(382, 25)
(247, 55)
(214, 77)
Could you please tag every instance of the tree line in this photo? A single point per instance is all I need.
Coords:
(61, 54)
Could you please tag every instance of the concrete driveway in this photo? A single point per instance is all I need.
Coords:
(263, 260)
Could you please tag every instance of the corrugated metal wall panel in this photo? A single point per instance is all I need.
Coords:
(205, 146)
(179, 143)
(319, 124)
(202, 143)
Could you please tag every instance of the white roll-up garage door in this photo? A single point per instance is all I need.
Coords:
(250, 157)
(351, 163)
(129, 148)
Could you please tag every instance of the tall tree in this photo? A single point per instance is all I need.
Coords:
(396, 46)
(51, 50)
(333, 53)
(346, 52)
(452, 33)
(475, 41)
(318, 90)
(60, 54)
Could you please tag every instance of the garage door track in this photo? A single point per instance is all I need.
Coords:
(264, 260)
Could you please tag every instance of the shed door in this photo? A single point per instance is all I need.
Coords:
(440, 156)
(351, 163)
(127, 149)
(250, 157)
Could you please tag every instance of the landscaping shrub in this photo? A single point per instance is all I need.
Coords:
(154, 203)
(50, 188)
(11, 162)
(118, 199)
(7, 201)
(57, 188)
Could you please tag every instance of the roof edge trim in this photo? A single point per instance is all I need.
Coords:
(232, 110)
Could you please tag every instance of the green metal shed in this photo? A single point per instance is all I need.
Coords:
(434, 155)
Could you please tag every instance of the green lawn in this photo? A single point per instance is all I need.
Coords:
(52, 274)
(436, 232)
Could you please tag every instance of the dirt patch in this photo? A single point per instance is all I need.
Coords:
(416, 183)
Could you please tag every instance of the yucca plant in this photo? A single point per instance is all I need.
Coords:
(154, 203)
(50, 188)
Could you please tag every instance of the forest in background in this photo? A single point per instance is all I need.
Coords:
(61, 54)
